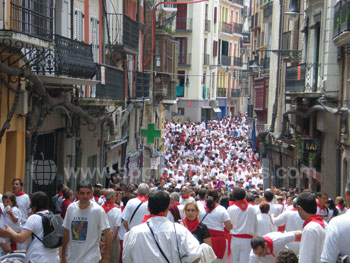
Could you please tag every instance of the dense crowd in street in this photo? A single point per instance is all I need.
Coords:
(209, 205)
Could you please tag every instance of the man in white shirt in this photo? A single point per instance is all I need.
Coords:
(114, 218)
(275, 209)
(185, 196)
(83, 224)
(266, 248)
(322, 209)
(136, 208)
(243, 219)
(159, 240)
(337, 237)
(314, 231)
(22, 199)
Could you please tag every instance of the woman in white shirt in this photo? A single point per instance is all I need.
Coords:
(36, 252)
(216, 218)
(264, 224)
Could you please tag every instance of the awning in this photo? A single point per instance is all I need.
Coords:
(66, 81)
(206, 107)
(113, 144)
(216, 110)
(169, 101)
(126, 113)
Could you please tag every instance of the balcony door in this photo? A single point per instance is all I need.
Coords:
(182, 50)
(181, 17)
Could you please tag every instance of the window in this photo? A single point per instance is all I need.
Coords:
(94, 37)
(181, 111)
(78, 25)
(215, 48)
(215, 15)
(204, 76)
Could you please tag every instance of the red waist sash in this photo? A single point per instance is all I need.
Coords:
(242, 236)
(218, 242)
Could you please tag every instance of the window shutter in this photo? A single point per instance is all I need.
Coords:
(215, 48)
(215, 15)
(94, 37)
(79, 25)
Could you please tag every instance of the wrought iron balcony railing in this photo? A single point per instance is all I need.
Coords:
(237, 28)
(221, 92)
(341, 17)
(238, 2)
(183, 24)
(245, 92)
(171, 95)
(142, 84)
(226, 60)
(226, 28)
(245, 11)
(235, 93)
(265, 64)
(237, 61)
(31, 17)
(114, 83)
(184, 58)
(295, 78)
(268, 8)
(123, 32)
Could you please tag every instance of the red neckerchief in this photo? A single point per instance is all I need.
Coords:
(191, 225)
(314, 218)
(294, 209)
(185, 197)
(230, 203)
(340, 207)
(242, 204)
(96, 198)
(142, 198)
(207, 209)
(20, 193)
(60, 194)
(146, 217)
(108, 206)
(321, 208)
(269, 243)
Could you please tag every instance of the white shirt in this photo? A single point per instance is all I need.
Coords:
(275, 209)
(36, 252)
(2, 222)
(243, 222)
(324, 213)
(184, 201)
(139, 215)
(215, 219)
(114, 218)
(337, 240)
(182, 214)
(291, 219)
(85, 227)
(140, 246)
(23, 203)
(8, 221)
(264, 225)
(279, 240)
(311, 244)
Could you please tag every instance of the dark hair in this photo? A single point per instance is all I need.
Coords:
(67, 193)
(39, 201)
(238, 193)
(18, 179)
(10, 196)
(224, 201)
(250, 197)
(202, 193)
(286, 256)
(158, 201)
(264, 207)
(268, 196)
(84, 184)
(60, 187)
(332, 206)
(320, 193)
(257, 242)
(212, 198)
(307, 202)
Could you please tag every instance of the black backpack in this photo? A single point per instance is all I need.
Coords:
(53, 230)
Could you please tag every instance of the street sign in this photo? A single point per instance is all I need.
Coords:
(312, 145)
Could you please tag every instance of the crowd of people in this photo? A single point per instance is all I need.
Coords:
(209, 205)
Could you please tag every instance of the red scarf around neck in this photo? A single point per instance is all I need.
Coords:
(185, 197)
(20, 193)
(142, 198)
(146, 217)
(269, 243)
(294, 209)
(108, 206)
(191, 225)
(242, 204)
(322, 208)
(340, 207)
(314, 218)
(208, 210)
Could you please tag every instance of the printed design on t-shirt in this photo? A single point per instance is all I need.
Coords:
(79, 230)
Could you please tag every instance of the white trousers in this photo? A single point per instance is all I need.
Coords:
(240, 250)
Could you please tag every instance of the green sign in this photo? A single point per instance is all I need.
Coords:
(150, 133)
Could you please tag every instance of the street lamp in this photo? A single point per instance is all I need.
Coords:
(187, 83)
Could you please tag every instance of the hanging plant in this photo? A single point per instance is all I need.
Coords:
(299, 146)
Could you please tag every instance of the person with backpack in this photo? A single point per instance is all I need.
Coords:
(36, 252)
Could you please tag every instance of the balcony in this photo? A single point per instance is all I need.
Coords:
(206, 59)
(244, 75)
(171, 94)
(245, 11)
(268, 8)
(221, 92)
(245, 92)
(235, 93)
(341, 30)
(290, 46)
(33, 18)
(237, 61)
(237, 2)
(245, 41)
(207, 26)
(255, 25)
(237, 28)
(265, 65)
(226, 60)
(295, 79)
(183, 24)
(226, 28)
(142, 84)
(184, 59)
(124, 33)
(113, 87)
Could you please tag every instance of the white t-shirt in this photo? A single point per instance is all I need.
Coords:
(23, 203)
(184, 201)
(215, 219)
(36, 252)
(312, 242)
(85, 227)
(337, 240)
(264, 225)
(114, 218)
(244, 222)
(139, 215)
(2, 222)
(8, 221)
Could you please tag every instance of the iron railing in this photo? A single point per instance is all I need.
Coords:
(114, 83)
(237, 61)
(142, 84)
(123, 31)
(171, 95)
(237, 28)
(184, 58)
(265, 64)
(295, 78)
(183, 24)
(268, 8)
(238, 2)
(221, 92)
(244, 74)
(245, 92)
(235, 93)
(226, 28)
(245, 11)
(206, 59)
(226, 60)
(341, 17)
(32, 17)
